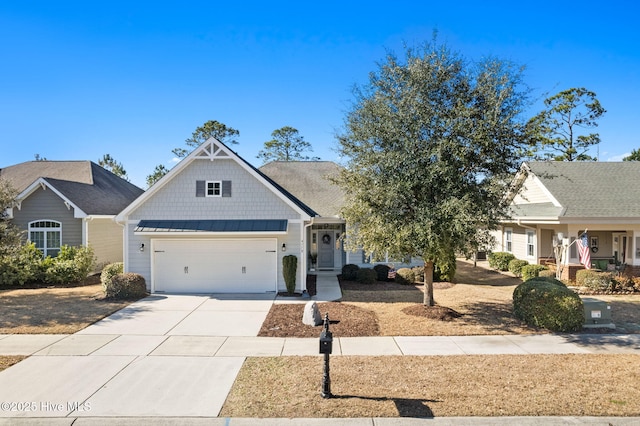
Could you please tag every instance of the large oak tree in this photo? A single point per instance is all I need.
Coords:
(430, 143)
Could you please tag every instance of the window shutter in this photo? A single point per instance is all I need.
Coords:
(226, 188)
(200, 188)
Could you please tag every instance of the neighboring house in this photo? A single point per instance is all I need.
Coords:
(70, 203)
(217, 224)
(602, 198)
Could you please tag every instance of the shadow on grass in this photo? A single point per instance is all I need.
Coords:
(494, 317)
(466, 273)
(406, 407)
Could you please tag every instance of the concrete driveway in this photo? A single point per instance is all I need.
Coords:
(153, 358)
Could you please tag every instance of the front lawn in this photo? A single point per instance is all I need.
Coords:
(54, 310)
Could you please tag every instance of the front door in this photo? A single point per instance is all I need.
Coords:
(325, 249)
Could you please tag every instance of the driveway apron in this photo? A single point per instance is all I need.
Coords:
(152, 358)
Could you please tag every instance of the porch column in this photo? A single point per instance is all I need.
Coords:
(635, 248)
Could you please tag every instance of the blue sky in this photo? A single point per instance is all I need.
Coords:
(134, 79)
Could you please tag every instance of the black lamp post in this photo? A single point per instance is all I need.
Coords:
(326, 346)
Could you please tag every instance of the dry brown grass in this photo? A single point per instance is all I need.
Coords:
(7, 361)
(506, 385)
(54, 310)
(410, 386)
(482, 297)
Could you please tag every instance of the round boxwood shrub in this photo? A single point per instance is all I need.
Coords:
(366, 276)
(500, 260)
(546, 304)
(405, 276)
(444, 270)
(547, 273)
(515, 266)
(382, 271)
(418, 271)
(551, 280)
(531, 271)
(108, 272)
(126, 286)
(594, 280)
(349, 272)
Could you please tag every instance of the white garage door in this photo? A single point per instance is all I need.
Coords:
(215, 266)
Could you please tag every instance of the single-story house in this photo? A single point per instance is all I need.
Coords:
(310, 181)
(569, 198)
(216, 224)
(70, 203)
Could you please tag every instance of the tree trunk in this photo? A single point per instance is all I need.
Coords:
(428, 284)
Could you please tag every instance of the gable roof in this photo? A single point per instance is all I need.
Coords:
(214, 150)
(84, 184)
(586, 189)
(309, 181)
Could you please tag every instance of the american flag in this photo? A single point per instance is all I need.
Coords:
(583, 249)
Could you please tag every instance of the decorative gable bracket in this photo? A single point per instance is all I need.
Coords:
(211, 150)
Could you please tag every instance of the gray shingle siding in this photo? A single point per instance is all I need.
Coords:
(249, 199)
(46, 205)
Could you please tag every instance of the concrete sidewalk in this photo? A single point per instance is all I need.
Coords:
(246, 346)
(172, 359)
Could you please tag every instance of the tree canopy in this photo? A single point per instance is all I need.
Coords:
(287, 145)
(211, 128)
(556, 128)
(109, 163)
(430, 143)
(157, 174)
(634, 156)
(10, 235)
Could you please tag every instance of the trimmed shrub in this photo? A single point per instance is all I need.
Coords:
(550, 280)
(108, 272)
(531, 271)
(72, 265)
(289, 269)
(547, 273)
(515, 266)
(382, 272)
(405, 276)
(444, 270)
(548, 305)
(126, 286)
(349, 272)
(22, 268)
(366, 276)
(500, 260)
(418, 271)
(594, 280)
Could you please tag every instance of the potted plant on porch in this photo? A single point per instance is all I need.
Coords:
(314, 259)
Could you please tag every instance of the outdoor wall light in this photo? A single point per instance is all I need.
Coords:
(284, 247)
(142, 247)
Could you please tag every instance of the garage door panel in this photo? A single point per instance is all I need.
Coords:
(215, 266)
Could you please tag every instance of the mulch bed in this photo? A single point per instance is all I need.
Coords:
(440, 313)
(285, 320)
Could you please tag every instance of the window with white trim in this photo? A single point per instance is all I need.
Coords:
(508, 240)
(214, 188)
(531, 244)
(47, 236)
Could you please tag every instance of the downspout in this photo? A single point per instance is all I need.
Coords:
(125, 244)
